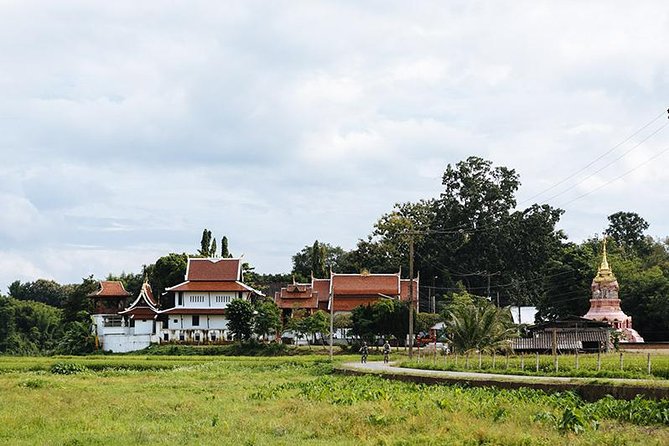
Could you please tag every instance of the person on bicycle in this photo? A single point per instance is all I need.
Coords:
(386, 352)
(364, 351)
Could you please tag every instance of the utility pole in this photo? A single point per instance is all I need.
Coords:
(331, 319)
(411, 234)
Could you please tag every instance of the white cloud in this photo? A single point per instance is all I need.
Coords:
(128, 127)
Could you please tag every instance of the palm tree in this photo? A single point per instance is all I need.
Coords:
(479, 328)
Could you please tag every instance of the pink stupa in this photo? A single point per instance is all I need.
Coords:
(605, 304)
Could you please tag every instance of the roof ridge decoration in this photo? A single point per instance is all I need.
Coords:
(604, 273)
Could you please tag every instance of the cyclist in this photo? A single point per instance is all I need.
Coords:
(364, 351)
(386, 352)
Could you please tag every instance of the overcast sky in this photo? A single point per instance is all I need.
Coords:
(127, 127)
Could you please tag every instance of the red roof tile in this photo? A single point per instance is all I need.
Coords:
(110, 288)
(213, 269)
(404, 294)
(298, 295)
(322, 287)
(359, 284)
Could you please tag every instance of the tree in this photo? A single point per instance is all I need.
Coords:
(267, 319)
(318, 253)
(627, 229)
(319, 322)
(131, 282)
(78, 339)
(482, 327)
(41, 290)
(168, 271)
(224, 248)
(212, 251)
(317, 258)
(78, 306)
(240, 319)
(205, 244)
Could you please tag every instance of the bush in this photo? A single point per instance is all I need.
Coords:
(67, 368)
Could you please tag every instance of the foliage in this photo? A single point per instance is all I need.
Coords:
(168, 271)
(41, 290)
(240, 319)
(28, 327)
(386, 318)
(183, 396)
(267, 319)
(317, 259)
(131, 282)
(77, 340)
(479, 327)
(67, 368)
(626, 229)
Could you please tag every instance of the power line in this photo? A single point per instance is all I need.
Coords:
(657, 155)
(596, 159)
(608, 164)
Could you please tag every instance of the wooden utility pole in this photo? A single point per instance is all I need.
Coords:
(410, 295)
(331, 319)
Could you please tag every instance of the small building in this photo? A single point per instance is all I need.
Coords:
(568, 335)
(128, 329)
(199, 313)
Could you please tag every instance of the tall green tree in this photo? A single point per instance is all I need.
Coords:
(317, 258)
(205, 243)
(225, 253)
(168, 271)
(213, 249)
(41, 290)
(240, 319)
(627, 230)
(267, 320)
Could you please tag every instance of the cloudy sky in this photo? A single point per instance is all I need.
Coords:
(127, 127)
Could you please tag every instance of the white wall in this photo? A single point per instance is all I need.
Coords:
(216, 321)
(204, 299)
(143, 327)
(124, 343)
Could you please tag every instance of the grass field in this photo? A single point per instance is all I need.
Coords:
(634, 365)
(121, 400)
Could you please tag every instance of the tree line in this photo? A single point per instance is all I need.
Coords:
(473, 238)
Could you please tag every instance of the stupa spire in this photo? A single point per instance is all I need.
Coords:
(604, 273)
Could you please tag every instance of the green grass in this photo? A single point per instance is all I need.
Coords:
(634, 365)
(120, 400)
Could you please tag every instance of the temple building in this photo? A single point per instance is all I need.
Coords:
(344, 291)
(605, 303)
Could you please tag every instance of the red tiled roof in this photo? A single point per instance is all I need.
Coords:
(228, 285)
(296, 296)
(357, 284)
(148, 292)
(184, 310)
(140, 312)
(110, 288)
(404, 293)
(322, 287)
(213, 269)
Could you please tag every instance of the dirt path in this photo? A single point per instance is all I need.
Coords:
(588, 388)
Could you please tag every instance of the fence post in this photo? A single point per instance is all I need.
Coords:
(493, 360)
(599, 360)
(467, 361)
(479, 359)
(456, 360)
(648, 363)
(507, 361)
(577, 359)
(537, 361)
(621, 361)
(556, 363)
(522, 361)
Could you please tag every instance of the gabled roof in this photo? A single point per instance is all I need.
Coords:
(110, 288)
(366, 284)
(297, 295)
(322, 287)
(207, 269)
(145, 304)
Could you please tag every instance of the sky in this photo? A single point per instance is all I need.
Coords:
(127, 127)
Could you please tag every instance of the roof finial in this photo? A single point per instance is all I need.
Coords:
(604, 273)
